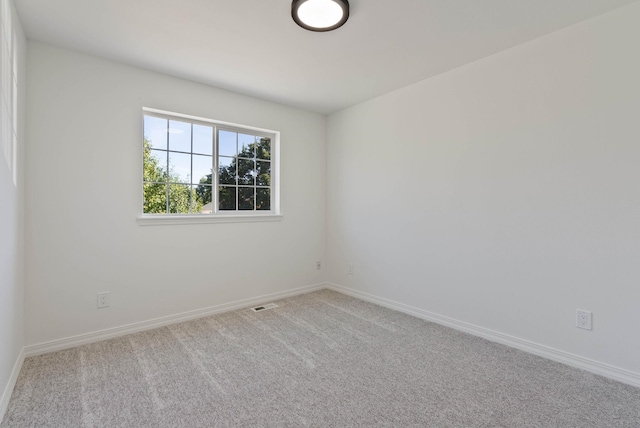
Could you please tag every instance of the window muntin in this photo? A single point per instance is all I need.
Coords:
(244, 171)
(180, 155)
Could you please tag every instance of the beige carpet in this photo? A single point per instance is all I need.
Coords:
(321, 359)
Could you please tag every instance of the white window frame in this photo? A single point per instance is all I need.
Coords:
(218, 216)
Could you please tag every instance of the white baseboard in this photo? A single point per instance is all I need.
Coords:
(82, 339)
(612, 372)
(8, 390)
(602, 369)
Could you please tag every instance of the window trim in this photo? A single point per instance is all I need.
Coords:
(162, 219)
(235, 216)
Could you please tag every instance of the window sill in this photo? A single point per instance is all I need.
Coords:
(157, 220)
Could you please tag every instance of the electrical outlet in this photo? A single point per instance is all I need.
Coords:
(318, 265)
(103, 300)
(350, 268)
(583, 319)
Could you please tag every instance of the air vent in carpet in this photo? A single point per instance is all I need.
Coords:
(264, 307)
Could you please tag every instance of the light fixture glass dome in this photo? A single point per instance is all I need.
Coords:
(320, 15)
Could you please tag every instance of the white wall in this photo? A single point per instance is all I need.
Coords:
(13, 47)
(504, 193)
(84, 192)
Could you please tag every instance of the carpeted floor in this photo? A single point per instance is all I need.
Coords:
(321, 359)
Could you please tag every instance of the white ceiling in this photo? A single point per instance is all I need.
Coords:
(254, 47)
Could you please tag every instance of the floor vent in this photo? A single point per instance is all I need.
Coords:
(264, 307)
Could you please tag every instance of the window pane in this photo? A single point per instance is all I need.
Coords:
(227, 143)
(179, 167)
(196, 203)
(263, 199)
(263, 170)
(202, 167)
(246, 171)
(203, 198)
(227, 198)
(155, 165)
(246, 146)
(226, 170)
(155, 132)
(179, 136)
(155, 198)
(263, 148)
(203, 139)
(179, 198)
(246, 197)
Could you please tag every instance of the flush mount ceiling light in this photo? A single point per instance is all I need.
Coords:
(320, 15)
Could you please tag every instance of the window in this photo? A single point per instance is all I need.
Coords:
(198, 167)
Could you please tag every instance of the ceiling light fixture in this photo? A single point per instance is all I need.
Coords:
(320, 15)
